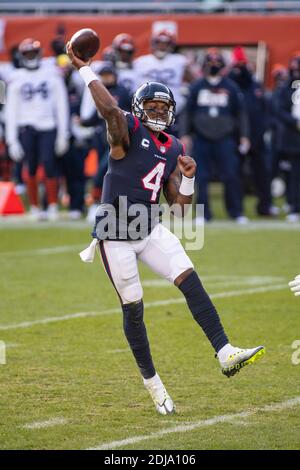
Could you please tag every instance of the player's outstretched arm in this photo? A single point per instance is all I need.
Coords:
(179, 188)
(117, 128)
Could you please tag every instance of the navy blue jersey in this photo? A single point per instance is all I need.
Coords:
(144, 170)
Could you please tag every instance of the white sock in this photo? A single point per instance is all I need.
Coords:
(154, 380)
(225, 352)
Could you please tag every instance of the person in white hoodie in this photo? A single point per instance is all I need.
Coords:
(37, 122)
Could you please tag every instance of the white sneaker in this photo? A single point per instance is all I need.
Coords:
(34, 213)
(92, 213)
(52, 212)
(242, 220)
(240, 358)
(75, 215)
(274, 210)
(293, 218)
(163, 402)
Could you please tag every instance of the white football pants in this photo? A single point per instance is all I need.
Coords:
(161, 251)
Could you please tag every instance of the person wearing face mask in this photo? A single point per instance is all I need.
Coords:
(71, 165)
(90, 118)
(288, 112)
(257, 110)
(214, 114)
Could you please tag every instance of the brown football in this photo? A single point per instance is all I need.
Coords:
(85, 43)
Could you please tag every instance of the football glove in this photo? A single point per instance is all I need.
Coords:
(16, 151)
(295, 285)
(61, 146)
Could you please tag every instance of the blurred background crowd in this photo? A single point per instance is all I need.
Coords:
(245, 135)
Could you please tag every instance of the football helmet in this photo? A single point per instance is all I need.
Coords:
(123, 42)
(30, 53)
(109, 55)
(163, 42)
(124, 47)
(154, 91)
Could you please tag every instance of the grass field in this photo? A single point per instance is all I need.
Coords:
(70, 381)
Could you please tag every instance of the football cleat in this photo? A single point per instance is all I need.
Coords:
(241, 358)
(162, 400)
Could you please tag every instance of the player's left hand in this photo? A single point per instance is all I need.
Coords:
(187, 165)
(295, 285)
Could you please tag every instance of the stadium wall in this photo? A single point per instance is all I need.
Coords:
(279, 32)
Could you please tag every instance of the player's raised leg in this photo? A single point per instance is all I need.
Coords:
(165, 255)
(120, 262)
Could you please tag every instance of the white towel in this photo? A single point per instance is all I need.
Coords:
(88, 254)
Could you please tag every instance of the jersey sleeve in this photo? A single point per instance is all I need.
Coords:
(132, 122)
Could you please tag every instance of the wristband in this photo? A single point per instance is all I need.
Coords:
(187, 186)
(87, 75)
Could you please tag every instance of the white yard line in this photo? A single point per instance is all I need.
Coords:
(45, 424)
(113, 351)
(234, 280)
(44, 251)
(157, 303)
(183, 428)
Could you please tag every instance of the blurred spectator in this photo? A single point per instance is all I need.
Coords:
(37, 119)
(281, 167)
(90, 118)
(289, 115)
(71, 165)
(214, 113)
(124, 49)
(6, 165)
(256, 107)
(165, 66)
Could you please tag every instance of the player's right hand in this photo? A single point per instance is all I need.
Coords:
(77, 63)
(295, 285)
(16, 151)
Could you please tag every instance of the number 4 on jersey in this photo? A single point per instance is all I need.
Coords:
(153, 179)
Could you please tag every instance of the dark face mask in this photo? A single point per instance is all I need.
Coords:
(214, 70)
(242, 76)
(295, 74)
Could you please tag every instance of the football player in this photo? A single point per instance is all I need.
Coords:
(124, 48)
(143, 160)
(37, 121)
(165, 66)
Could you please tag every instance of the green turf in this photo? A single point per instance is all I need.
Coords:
(82, 370)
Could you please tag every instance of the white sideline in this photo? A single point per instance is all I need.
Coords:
(45, 424)
(157, 303)
(273, 407)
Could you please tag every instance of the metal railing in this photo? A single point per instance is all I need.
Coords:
(121, 7)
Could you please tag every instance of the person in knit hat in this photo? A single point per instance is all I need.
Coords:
(256, 107)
